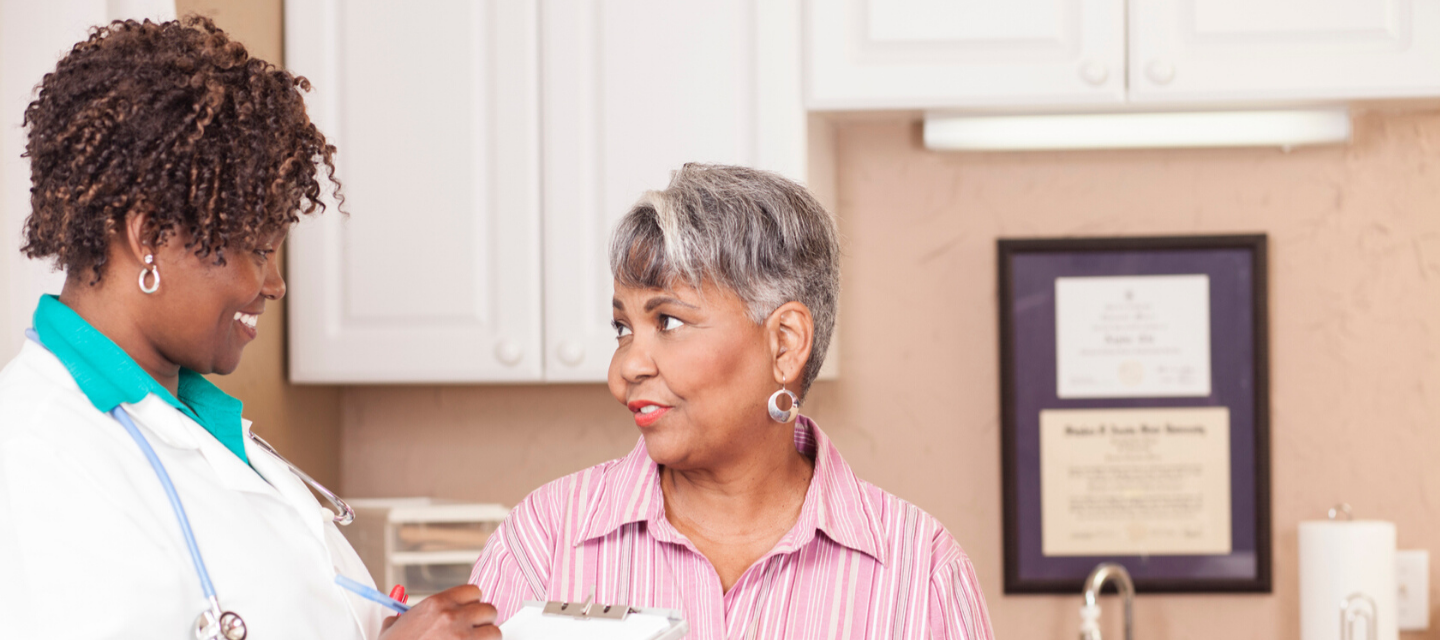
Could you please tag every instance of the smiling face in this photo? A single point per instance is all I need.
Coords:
(204, 314)
(694, 369)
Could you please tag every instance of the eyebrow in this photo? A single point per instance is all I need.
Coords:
(654, 302)
(657, 301)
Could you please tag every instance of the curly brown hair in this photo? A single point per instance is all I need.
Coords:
(176, 121)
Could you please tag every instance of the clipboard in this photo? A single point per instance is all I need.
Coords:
(590, 621)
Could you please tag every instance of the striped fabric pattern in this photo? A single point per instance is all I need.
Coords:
(859, 562)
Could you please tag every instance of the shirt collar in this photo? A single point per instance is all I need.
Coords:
(109, 377)
(836, 503)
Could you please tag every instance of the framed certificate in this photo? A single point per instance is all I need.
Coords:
(1135, 412)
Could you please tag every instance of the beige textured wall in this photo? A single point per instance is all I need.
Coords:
(302, 422)
(1355, 337)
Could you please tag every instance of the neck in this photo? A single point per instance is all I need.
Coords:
(771, 476)
(114, 316)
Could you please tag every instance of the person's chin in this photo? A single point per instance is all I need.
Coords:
(664, 448)
(226, 365)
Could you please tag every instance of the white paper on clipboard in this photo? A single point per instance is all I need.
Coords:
(530, 623)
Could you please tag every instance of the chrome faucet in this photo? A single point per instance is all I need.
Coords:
(1090, 613)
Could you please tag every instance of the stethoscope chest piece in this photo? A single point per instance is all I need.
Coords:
(230, 626)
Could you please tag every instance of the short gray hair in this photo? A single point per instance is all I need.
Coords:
(753, 232)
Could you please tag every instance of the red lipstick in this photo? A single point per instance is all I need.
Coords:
(643, 418)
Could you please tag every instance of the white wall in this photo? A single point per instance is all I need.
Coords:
(33, 37)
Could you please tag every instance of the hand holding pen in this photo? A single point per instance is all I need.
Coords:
(453, 613)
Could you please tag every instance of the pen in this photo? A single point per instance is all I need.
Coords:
(370, 593)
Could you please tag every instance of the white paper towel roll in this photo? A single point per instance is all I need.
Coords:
(1339, 559)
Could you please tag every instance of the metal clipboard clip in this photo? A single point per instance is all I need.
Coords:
(587, 610)
(530, 622)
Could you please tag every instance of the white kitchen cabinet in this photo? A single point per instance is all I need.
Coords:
(439, 111)
(917, 54)
(435, 274)
(1196, 51)
(1082, 55)
(632, 90)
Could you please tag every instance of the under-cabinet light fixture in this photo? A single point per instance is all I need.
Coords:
(1290, 128)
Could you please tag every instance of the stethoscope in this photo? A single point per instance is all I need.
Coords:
(213, 623)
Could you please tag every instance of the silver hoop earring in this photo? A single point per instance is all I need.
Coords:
(784, 405)
(151, 269)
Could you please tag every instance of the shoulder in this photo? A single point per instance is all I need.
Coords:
(904, 538)
(520, 553)
(924, 557)
(580, 488)
(907, 531)
(49, 429)
(37, 396)
(560, 507)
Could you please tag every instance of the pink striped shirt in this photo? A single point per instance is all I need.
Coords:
(859, 563)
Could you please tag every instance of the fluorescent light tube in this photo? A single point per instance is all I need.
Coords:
(1286, 129)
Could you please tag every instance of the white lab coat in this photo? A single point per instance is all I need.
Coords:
(90, 548)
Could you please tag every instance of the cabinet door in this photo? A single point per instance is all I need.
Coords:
(435, 274)
(1198, 51)
(921, 54)
(632, 90)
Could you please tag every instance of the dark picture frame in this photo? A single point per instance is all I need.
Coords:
(1239, 366)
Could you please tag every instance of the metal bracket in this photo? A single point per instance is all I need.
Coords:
(587, 610)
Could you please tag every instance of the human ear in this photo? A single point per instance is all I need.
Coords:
(791, 329)
(137, 236)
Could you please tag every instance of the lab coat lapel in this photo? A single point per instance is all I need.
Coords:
(268, 475)
(176, 430)
(289, 485)
(163, 422)
(231, 470)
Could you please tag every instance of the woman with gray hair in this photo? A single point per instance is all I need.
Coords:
(732, 507)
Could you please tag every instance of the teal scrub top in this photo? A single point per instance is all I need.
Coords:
(109, 377)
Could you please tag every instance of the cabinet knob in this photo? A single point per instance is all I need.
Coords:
(1160, 71)
(570, 352)
(1094, 72)
(508, 352)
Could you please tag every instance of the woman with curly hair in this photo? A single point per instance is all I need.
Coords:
(167, 166)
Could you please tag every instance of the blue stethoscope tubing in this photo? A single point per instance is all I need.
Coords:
(175, 505)
(220, 624)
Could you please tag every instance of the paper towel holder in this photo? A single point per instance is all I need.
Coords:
(1358, 607)
(1352, 611)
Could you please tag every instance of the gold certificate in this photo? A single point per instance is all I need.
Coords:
(1152, 481)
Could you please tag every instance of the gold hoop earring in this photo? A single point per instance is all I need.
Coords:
(151, 269)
